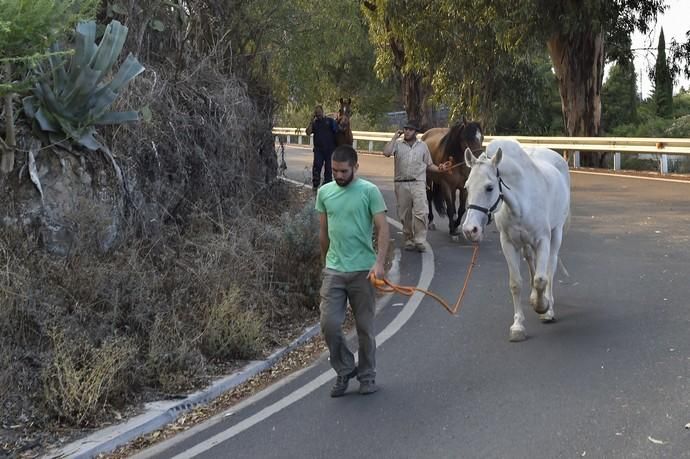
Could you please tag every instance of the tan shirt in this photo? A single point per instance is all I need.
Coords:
(411, 162)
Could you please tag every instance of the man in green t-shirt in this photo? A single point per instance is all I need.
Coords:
(350, 208)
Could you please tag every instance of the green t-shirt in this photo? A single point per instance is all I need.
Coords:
(350, 211)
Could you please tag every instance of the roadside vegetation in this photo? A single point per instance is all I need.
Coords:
(146, 245)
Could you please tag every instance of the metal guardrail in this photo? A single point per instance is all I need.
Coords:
(660, 147)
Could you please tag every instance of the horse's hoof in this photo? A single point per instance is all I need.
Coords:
(548, 317)
(541, 308)
(432, 227)
(541, 304)
(455, 237)
(517, 335)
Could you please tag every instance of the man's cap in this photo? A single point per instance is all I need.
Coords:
(412, 124)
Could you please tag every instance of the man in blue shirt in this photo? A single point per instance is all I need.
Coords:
(349, 209)
(324, 129)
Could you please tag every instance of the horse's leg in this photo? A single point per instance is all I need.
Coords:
(539, 300)
(429, 199)
(461, 206)
(556, 238)
(528, 253)
(512, 256)
(450, 208)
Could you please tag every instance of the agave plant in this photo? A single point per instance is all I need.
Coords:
(72, 97)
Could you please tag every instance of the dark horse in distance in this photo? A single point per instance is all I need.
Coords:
(449, 144)
(344, 134)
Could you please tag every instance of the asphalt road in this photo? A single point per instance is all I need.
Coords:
(609, 379)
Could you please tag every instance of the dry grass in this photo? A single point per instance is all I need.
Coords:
(84, 335)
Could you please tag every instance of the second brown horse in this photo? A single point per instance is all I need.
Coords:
(449, 144)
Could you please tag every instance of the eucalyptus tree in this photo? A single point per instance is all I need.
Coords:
(321, 53)
(448, 52)
(575, 33)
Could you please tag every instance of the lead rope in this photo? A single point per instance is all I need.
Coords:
(387, 286)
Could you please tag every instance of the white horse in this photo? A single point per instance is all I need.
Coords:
(529, 189)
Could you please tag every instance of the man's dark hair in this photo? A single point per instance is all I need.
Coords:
(345, 153)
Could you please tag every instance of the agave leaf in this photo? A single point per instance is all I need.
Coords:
(82, 87)
(102, 98)
(48, 99)
(57, 66)
(28, 103)
(110, 47)
(118, 118)
(85, 46)
(89, 141)
(128, 71)
(46, 123)
(88, 30)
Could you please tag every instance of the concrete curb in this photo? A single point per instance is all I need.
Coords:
(164, 412)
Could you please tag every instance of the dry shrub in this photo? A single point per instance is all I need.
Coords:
(80, 376)
(173, 362)
(233, 332)
(293, 245)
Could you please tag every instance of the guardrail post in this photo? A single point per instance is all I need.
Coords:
(663, 166)
(616, 161)
(371, 145)
(576, 159)
(354, 144)
(299, 140)
(276, 140)
(311, 140)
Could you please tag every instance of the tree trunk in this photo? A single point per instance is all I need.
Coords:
(413, 88)
(414, 96)
(7, 160)
(578, 62)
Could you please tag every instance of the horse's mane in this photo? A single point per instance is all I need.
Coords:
(461, 135)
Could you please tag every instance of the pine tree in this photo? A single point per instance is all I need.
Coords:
(663, 81)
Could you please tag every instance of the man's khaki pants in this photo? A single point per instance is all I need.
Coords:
(413, 210)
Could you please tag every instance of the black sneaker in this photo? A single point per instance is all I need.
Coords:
(368, 386)
(341, 382)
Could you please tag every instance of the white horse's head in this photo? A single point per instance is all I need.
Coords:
(484, 193)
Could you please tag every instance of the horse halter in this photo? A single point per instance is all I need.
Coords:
(489, 212)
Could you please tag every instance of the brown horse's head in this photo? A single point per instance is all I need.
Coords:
(462, 135)
(344, 135)
(344, 113)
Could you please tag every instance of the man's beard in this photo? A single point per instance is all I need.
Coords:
(345, 182)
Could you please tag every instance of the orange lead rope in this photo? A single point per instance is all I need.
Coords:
(387, 286)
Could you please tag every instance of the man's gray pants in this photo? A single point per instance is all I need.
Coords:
(336, 289)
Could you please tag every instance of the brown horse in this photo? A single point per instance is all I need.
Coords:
(442, 188)
(344, 134)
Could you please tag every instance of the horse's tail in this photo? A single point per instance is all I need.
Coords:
(566, 227)
(437, 197)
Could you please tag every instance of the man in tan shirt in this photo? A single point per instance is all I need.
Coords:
(412, 160)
